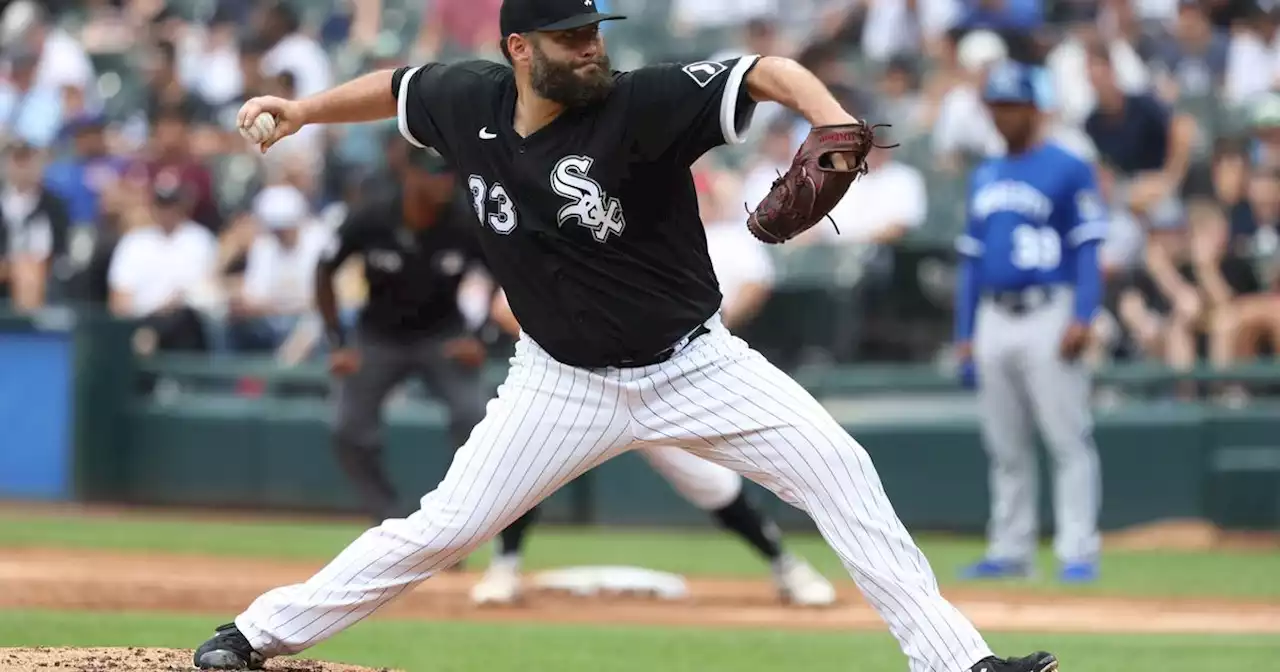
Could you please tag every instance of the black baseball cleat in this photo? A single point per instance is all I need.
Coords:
(228, 650)
(1036, 662)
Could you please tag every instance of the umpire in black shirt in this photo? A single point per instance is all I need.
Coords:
(417, 242)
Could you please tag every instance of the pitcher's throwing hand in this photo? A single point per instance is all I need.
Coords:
(286, 119)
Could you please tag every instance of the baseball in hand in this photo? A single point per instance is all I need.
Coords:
(261, 130)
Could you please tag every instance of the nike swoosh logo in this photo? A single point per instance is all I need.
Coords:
(486, 135)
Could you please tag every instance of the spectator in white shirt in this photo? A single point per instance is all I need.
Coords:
(293, 51)
(209, 60)
(63, 62)
(964, 131)
(906, 27)
(880, 207)
(165, 273)
(742, 266)
(29, 113)
(1253, 59)
(279, 272)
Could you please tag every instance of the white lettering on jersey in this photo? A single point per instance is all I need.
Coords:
(502, 217)
(1012, 196)
(703, 72)
(592, 207)
(1036, 248)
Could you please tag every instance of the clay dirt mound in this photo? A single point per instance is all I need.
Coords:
(137, 660)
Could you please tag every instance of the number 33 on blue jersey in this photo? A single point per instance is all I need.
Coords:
(1027, 214)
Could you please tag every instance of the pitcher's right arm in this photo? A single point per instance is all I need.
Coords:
(428, 102)
(362, 99)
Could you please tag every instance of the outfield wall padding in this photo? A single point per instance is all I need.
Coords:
(1156, 465)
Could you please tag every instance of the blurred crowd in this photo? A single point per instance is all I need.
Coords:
(126, 184)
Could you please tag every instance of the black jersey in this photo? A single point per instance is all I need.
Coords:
(590, 224)
(412, 276)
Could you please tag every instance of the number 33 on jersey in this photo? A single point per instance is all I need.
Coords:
(1026, 216)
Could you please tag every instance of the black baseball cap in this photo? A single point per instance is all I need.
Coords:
(527, 16)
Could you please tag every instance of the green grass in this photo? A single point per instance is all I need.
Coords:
(1137, 573)
(469, 647)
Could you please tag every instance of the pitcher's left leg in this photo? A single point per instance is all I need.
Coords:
(725, 402)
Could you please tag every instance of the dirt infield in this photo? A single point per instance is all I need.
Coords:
(221, 587)
(137, 660)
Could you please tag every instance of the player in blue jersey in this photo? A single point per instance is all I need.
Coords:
(1028, 288)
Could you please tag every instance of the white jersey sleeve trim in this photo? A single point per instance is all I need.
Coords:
(969, 246)
(729, 102)
(402, 108)
(1088, 231)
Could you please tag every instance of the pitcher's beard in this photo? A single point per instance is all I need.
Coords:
(561, 83)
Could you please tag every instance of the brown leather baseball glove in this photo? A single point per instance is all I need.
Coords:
(813, 185)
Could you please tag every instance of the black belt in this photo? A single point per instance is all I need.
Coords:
(663, 355)
(1022, 301)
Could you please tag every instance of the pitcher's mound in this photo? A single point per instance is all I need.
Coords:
(136, 660)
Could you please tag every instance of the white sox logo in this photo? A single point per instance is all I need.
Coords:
(591, 206)
(703, 72)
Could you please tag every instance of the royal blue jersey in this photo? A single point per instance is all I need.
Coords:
(1027, 217)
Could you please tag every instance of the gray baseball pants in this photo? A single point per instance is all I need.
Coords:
(1022, 380)
(357, 429)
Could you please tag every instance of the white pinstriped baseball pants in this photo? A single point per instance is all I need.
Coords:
(717, 398)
